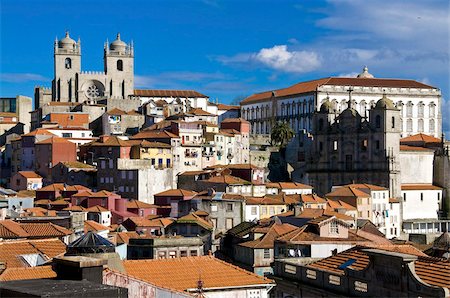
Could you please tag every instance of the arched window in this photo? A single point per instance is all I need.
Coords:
(119, 65)
(409, 108)
(420, 125)
(362, 107)
(68, 63)
(378, 121)
(432, 109)
(432, 125)
(409, 125)
(420, 109)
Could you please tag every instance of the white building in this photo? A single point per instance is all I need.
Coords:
(420, 104)
(421, 201)
(289, 188)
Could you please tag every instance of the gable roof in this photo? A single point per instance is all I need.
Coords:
(26, 273)
(136, 204)
(29, 174)
(154, 134)
(288, 185)
(183, 273)
(167, 93)
(10, 251)
(90, 225)
(420, 138)
(47, 230)
(97, 208)
(347, 191)
(63, 187)
(268, 239)
(199, 112)
(227, 179)
(423, 186)
(11, 230)
(311, 86)
(222, 106)
(194, 218)
(177, 193)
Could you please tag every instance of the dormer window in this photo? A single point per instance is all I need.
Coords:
(68, 63)
(334, 227)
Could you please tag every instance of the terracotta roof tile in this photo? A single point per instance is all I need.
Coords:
(29, 174)
(167, 93)
(347, 191)
(414, 148)
(90, 225)
(124, 237)
(39, 272)
(182, 273)
(11, 250)
(176, 193)
(161, 222)
(222, 106)
(135, 204)
(194, 218)
(97, 208)
(311, 86)
(154, 134)
(288, 185)
(338, 204)
(63, 187)
(227, 179)
(267, 240)
(420, 138)
(11, 230)
(46, 230)
(420, 187)
(54, 140)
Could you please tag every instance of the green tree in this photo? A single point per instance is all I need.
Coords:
(281, 134)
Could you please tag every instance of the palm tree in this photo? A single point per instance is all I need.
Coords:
(281, 134)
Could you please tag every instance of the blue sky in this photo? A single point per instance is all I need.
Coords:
(230, 49)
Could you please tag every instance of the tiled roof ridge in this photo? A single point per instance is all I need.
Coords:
(25, 233)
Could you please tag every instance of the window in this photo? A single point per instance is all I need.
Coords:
(264, 210)
(311, 274)
(172, 254)
(213, 208)
(162, 255)
(335, 145)
(420, 125)
(229, 207)
(420, 109)
(364, 144)
(193, 253)
(119, 65)
(393, 122)
(378, 121)
(68, 63)
(421, 196)
(377, 145)
(266, 253)
(254, 210)
(431, 125)
(334, 280)
(334, 227)
(409, 125)
(432, 109)
(228, 223)
(348, 162)
(409, 108)
(360, 286)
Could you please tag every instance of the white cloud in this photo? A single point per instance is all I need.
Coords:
(21, 77)
(280, 58)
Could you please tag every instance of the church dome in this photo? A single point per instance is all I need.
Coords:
(326, 107)
(118, 45)
(66, 42)
(365, 74)
(385, 103)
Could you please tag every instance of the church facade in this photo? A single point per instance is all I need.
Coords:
(348, 147)
(71, 84)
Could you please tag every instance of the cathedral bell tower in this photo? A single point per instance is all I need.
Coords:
(67, 63)
(119, 68)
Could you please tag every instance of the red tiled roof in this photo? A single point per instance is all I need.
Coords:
(26, 273)
(183, 273)
(193, 218)
(11, 250)
(11, 230)
(38, 131)
(176, 193)
(420, 138)
(366, 186)
(199, 112)
(413, 148)
(167, 93)
(45, 230)
(29, 174)
(97, 208)
(222, 106)
(235, 120)
(420, 187)
(347, 191)
(154, 134)
(227, 179)
(338, 204)
(135, 204)
(54, 140)
(161, 222)
(288, 185)
(90, 225)
(311, 86)
(63, 187)
(267, 240)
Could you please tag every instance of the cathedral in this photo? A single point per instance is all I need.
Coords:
(71, 84)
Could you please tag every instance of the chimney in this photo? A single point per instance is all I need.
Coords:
(298, 209)
(104, 138)
(79, 268)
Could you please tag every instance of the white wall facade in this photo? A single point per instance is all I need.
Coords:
(421, 204)
(417, 167)
(325, 250)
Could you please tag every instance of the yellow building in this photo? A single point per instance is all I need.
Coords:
(160, 154)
